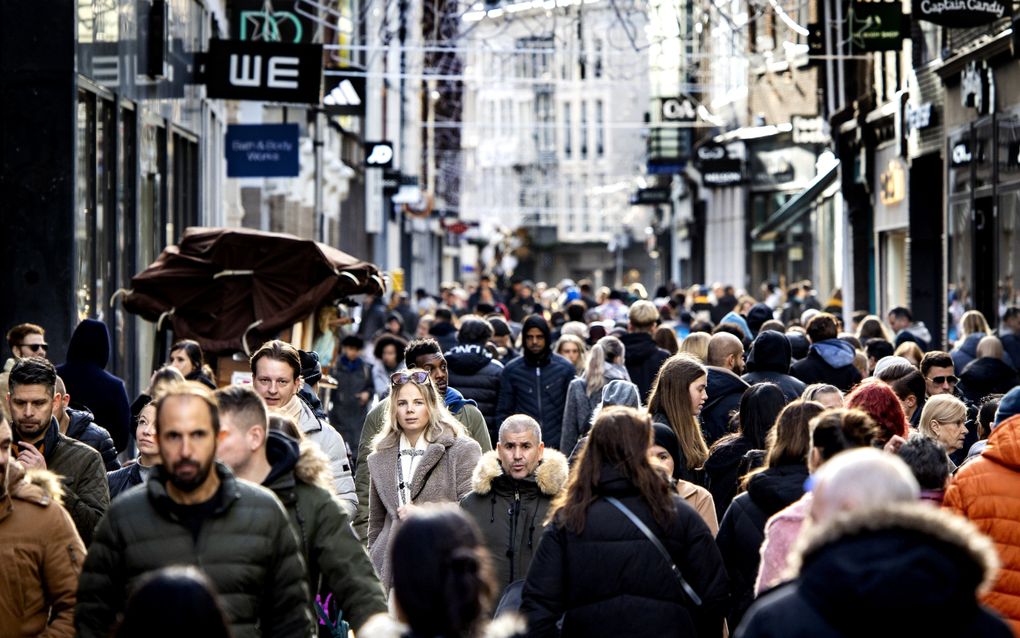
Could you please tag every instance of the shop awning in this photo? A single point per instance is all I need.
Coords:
(798, 205)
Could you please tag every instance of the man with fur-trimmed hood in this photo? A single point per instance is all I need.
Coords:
(39, 547)
(512, 487)
(299, 475)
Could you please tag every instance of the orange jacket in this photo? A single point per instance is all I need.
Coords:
(985, 491)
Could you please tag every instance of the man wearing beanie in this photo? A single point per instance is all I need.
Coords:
(984, 490)
(665, 449)
(536, 383)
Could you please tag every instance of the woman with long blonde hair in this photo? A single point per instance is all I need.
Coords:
(973, 327)
(679, 392)
(421, 455)
(573, 349)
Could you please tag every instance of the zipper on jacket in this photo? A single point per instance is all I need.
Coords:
(538, 387)
(511, 550)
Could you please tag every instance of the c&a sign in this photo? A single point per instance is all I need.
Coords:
(266, 72)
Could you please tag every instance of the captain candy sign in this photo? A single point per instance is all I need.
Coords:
(961, 13)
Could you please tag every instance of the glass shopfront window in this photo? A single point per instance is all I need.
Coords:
(1009, 248)
(961, 254)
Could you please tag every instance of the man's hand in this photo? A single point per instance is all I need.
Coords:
(406, 510)
(31, 457)
(363, 397)
(894, 444)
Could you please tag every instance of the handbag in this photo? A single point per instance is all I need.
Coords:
(638, 523)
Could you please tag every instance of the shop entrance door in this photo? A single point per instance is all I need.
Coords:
(984, 286)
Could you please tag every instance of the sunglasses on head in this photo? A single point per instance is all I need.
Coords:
(951, 379)
(35, 347)
(400, 378)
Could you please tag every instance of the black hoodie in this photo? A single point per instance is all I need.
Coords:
(476, 374)
(769, 361)
(90, 384)
(643, 359)
(724, 392)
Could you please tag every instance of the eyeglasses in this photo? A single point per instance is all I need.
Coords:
(400, 378)
(35, 347)
(950, 379)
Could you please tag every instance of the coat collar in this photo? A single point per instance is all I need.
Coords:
(549, 477)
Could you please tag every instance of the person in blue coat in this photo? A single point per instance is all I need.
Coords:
(536, 383)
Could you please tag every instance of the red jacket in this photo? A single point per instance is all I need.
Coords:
(985, 491)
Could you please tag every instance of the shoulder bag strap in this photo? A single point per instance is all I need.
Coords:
(638, 523)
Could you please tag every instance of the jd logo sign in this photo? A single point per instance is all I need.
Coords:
(265, 72)
(378, 154)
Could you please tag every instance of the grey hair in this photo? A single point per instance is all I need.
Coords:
(861, 478)
(518, 423)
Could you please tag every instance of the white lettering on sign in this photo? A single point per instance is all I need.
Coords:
(280, 68)
(381, 154)
(262, 150)
(809, 130)
(961, 154)
(919, 117)
(941, 6)
(250, 72)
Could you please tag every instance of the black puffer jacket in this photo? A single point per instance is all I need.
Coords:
(742, 529)
(476, 374)
(125, 478)
(246, 547)
(855, 571)
(769, 362)
(984, 376)
(83, 428)
(726, 463)
(643, 360)
(445, 334)
(611, 581)
(724, 392)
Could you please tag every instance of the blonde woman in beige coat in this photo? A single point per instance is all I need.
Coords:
(421, 455)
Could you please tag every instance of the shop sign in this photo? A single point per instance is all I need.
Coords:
(262, 150)
(976, 83)
(265, 72)
(677, 109)
(720, 165)
(378, 154)
(961, 13)
(344, 94)
(919, 117)
(892, 184)
(961, 154)
(249, 20)
(650, 196)
(810, 130)
(876, 25)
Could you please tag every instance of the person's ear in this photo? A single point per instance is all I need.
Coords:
(256, 437)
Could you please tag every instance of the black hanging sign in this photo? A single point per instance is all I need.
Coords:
(961, 13)
(265, 72)
(719, 164)
(876, 26)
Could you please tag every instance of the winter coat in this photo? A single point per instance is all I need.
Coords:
(701, 501)
(201, 377)
(742, 529)
(724, 392)
(984, 491)
(41, 556)
(830, 361)
(80, 468)
(336, 561)
(373, 318)
(381, 378)
(333, 446)
(385, 626)
(508, 512)
(476, 374)
(347, 413)
(580, 406)
(538, 391)
(610, 580)
(781, 532)
(90, 384)
(643, 360)
(915, 333)
(855, 570)
(726, 464)
(769, 362)
(1011, 346)
(445, 334)
(246, 548)
(125, 478)
(442, 476)
(81, 427)
(691, 475)
(462, 410)
(985, 376)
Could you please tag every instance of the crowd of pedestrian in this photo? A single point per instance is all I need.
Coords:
(527, 460)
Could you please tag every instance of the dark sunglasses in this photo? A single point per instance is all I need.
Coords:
(952, 379)
(35, 347)
(400, 378)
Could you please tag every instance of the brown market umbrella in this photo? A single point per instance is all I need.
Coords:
(232, 288)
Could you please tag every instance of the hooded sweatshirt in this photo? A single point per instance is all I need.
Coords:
(829, 361)
(769, 361)
(581, 404)
(476, 374)
(89, 384)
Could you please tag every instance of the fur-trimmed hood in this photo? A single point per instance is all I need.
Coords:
(385, 626)
(41, 487)
(550, 475)
(880, 551)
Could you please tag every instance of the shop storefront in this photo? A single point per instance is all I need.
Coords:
(891, 228)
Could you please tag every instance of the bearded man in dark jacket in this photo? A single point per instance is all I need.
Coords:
(769, 362)
(193, 511)
(512, 487)
(474, 371)
(725, 387)
(536, 383)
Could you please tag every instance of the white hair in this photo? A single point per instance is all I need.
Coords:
(517, 423)
(859, 479)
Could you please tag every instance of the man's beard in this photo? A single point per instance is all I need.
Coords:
(190, 484)
(30, 430)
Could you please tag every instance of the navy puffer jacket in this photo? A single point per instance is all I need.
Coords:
(476, 374)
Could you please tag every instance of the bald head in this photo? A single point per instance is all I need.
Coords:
(726, 351)
(989, 346)
(860, 478)
(61, 400)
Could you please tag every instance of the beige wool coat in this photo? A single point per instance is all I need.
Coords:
(443, 476)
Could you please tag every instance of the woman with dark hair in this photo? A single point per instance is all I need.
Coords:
(186, 355)
(173, 602)
(597, 572)
(678, 394)
(767, 491)
(665, 337)
(137, 471)
(736, 454)
(665, 447)
(446, 591)
(388, 352)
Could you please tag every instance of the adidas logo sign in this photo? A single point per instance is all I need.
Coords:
(344, 94)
